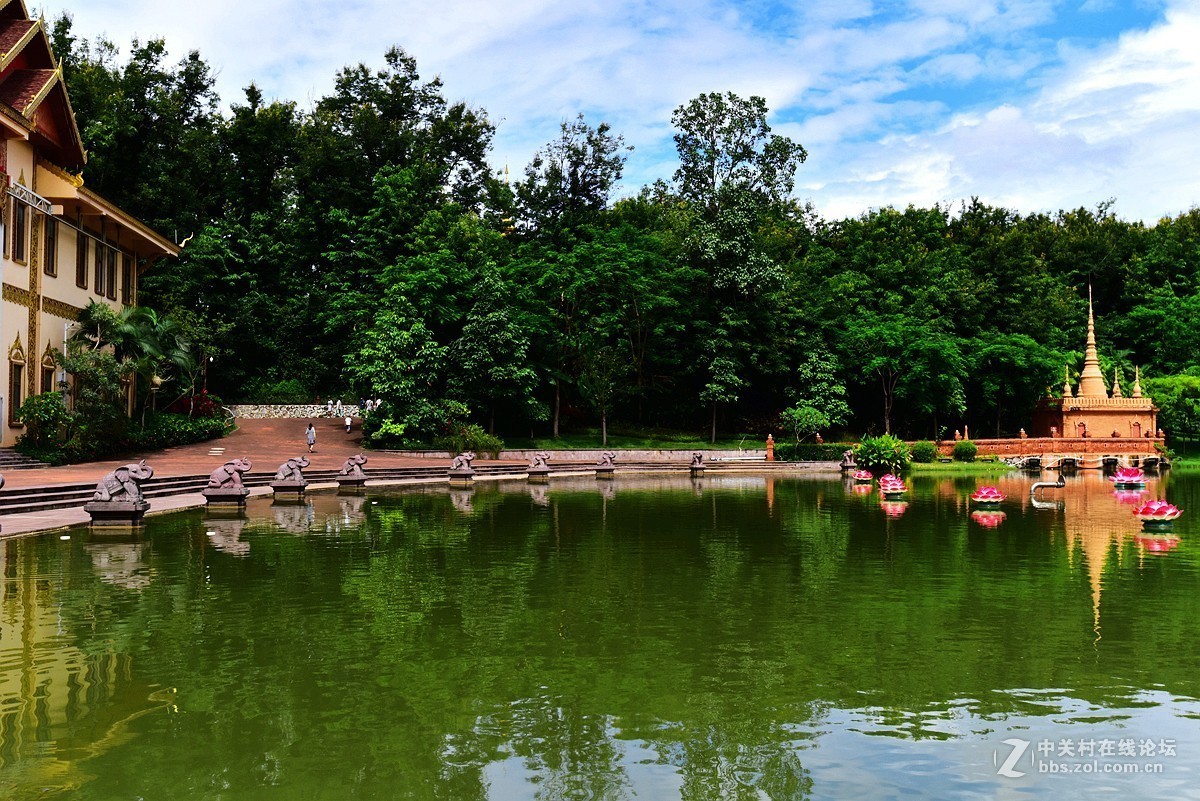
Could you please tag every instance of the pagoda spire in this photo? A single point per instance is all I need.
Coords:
(1091, 380)
(1067, 391)
(1116, 382)
(1137, 382)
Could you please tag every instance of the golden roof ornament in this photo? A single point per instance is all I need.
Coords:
(1091, 380)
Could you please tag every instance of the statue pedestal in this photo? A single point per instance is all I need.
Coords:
(226, 496)
(539, 475)
(351, 482)
(605, 473)
(461, 478)
(288, 490)
(116, 514)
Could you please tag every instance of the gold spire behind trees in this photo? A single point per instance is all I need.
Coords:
(1091, 380)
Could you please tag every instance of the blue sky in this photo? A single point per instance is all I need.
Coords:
(1032, 104)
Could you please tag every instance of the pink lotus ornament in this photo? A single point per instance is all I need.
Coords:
(893, 508)
(863, 477)
(1157, 515)
(988, 519)
(892, 487)
(1157, 543)
(1128, 478)
(987, 496)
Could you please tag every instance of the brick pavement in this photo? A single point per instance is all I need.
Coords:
(268, 443)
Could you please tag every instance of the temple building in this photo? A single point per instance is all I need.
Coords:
(1090, 411)
(63, 245)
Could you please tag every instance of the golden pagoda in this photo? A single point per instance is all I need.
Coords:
(1090, 411)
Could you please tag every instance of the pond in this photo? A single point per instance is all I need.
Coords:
(738, 636)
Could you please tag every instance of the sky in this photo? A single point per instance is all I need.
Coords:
(1034, 105)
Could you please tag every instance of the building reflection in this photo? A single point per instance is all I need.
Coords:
(53, 692)
(1097, 522)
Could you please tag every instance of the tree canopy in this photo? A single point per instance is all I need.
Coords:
(366, 246)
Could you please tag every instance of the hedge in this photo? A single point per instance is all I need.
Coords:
(810, 451)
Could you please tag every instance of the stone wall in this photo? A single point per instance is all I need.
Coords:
(1036, 446)
(286, 411)
(593, 456)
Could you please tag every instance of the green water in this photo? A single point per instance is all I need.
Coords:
(741, 637)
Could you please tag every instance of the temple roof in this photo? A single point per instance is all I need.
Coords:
(12, 32)
(33, 98)
(23, 88)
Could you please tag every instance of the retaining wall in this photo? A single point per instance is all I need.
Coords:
(265, 411)
(1036, 446)
(593, 456)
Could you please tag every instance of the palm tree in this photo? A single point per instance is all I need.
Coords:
(150, 345)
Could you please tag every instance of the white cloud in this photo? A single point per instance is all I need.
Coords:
(879, 93)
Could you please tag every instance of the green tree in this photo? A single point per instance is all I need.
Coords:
(726, 147)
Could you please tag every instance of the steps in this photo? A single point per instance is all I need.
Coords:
(65, 496)
(11, 460)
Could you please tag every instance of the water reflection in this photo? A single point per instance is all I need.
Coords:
(121, 564)
(765, 638)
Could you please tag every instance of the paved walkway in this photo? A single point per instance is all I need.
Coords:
(268, 443)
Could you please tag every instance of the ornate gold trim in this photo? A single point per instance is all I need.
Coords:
(61, 309)
(16, 351)
(18, 295)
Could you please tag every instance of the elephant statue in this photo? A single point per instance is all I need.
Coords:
(124, 483)
(229, 475)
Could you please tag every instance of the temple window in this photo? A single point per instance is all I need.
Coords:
(51, 258)
(98, 274)
(16, 381)
(81, 257)
(20, 219)
(48, 383)
(127, 279)
(112, 273)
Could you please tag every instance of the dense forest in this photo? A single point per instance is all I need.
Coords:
(366, 246)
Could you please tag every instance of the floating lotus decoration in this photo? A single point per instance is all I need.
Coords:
(1158, 543)
(892, 486)
(988, 519)
(987, 496)
(893, 508)
(863, 477)
(1128, 478)
(1157, 515)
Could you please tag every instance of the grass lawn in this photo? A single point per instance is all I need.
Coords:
(624, 439)
(961, 468)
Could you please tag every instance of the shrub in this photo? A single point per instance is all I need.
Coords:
(202, 404)
(924, 452)
(470, 438)
(884, 453)
(965, 450)
(290, 391)
(809, 452)
(167, 429)
(46, 419)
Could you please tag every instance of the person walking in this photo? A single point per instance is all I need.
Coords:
(329, 407)
(337, 407)
(311, 437)
(348, 421)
